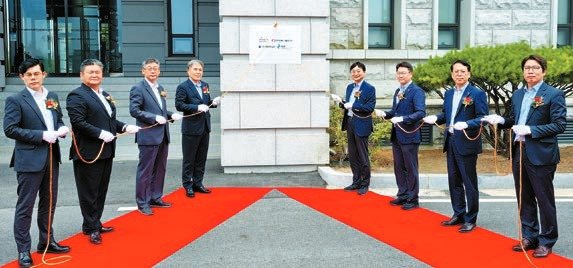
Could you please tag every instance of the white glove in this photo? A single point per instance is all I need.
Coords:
(336, 98)
(494, 119)
(348, 105)
(397, 119)
(160, 119)
(460, 125)
(176, 116)
(50, 136)
(379, 113)
(106, 136)
(203, 108)
(521, 130)
(430, 119)
(216, 101)
(132, 129)
(63, 131)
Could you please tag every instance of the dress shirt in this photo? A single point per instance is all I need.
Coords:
(40, 98)
(458, 93)
(352, 98)
(155, 89)
(402, 90)
(526, 106)
(198, 87)
(99, 93)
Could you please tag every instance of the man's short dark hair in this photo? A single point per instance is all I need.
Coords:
(29, 63)
(542, 61)
(359, 64)
(406, 65)
(89, 62)
(462, 62)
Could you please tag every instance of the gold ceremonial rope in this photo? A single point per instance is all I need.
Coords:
(65, 258)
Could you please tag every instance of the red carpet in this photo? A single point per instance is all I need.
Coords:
(143, 241)
(418, 232)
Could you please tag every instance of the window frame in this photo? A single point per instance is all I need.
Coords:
(567, 26)
(171, 36)
(455, 27)
(389, 26)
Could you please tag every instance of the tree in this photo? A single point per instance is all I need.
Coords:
(497, 71)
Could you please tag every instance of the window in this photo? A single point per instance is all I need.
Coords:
(181, 28)
(380, 23)
(448, 24)
(564, 23)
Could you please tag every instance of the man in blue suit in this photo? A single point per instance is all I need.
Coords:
(33, 118)
(357, 121)
(539, 114)
(464, 107)
(193, 98)
(148, 106)
(408, 109)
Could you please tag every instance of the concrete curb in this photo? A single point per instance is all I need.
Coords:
(433, 181)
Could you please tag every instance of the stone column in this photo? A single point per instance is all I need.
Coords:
(274, 116)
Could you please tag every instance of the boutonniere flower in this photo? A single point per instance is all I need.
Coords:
(357, 94)
(537, 101)
(205, 90)
(467, 102)
(51, 104)
(110, 99)
(163, 93)
(401, 96)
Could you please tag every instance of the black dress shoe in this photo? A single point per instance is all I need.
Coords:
(467, 227)
(105, 229)
(410, 205)
(95, 238)
(351, 187)
(527, 245)
(362, 190)
(24, 259)
(145, 211)
(201, 189)
(453, 221)
(54, 247)
(397, 202)
(159, 204)
(541, 251)
(189, 193)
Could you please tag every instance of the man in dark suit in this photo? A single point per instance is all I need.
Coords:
(539, 114)
(357, 121)
(33, 118)
(93, 118)
(464, 106)
(194, 100)
(148, 106)
(408, 109)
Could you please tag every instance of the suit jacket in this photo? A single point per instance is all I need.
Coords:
(187, 100)
(23, 122)
(545, 122)
(412, 108)
(471, 114)
(88, 118)
(363, 107)
(143, 106)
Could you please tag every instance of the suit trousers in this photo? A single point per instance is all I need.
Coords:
(150, 175)
(92, 181)
(358, 156)
(30, 185)
(195, 148)
(536, 186)
(406, 170)
(462, 182)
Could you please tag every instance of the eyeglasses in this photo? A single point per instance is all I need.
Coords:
(149, 68)
(532, 68)
(402, 73)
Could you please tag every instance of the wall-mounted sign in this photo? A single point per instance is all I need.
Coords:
(274, 44)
